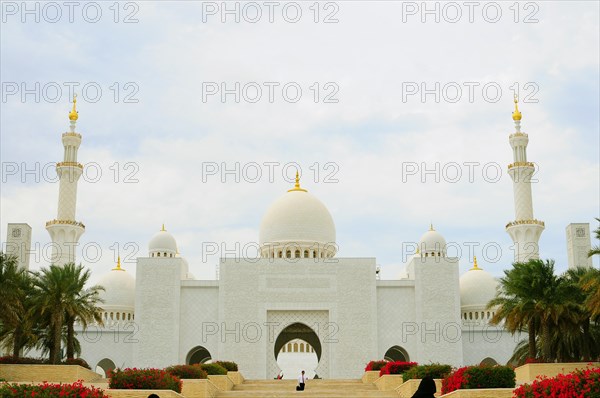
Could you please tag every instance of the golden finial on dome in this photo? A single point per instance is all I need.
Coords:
(118, 267)
(516, 114)
(163, 227)
(475, 266)
(431, 227)
(297, 185)
(73, 115)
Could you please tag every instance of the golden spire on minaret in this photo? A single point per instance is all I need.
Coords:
(475, 266)
(516, 114)
(118, 267)
(297, 185)
(73, 115)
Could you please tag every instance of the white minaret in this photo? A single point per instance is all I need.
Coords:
(525, 231)
(64, 230)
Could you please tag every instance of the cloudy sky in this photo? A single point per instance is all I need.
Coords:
(195, 114)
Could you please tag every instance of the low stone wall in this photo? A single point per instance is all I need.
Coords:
(199, 388)
(50, 373)
(388, 382)
(528, 373)
(370, 376)
(222, 382)
(481, 393)
(142, 393)
(236, 377)
(409, 387)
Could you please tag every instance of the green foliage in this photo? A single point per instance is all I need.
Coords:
(558, 312)
(470, 377)
(213, 369)
(229, 365)
(434, 370)
(41, 361)
(39, 309)
(144, 379)
(187, 371)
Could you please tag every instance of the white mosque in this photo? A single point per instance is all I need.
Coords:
(298, 298)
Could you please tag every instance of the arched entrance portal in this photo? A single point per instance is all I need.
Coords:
(198, 354)
(396, 353)
(312, 327)
(104, 366)
(297, 348)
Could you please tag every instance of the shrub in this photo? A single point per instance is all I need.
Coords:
(213, 369)
(144, 379)
(581, 383)
(77, 361)
(434, 370)
(47, 390)
(375, 365)
(41, 361)
(470, 377)
(187, 371)
(396, 368)
(229, 365)
(22, 360)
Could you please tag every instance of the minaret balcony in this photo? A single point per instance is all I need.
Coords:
(519, 134)
(525, 222)
(69, 134)
(65, 222)
(521, 164)
(69, 164)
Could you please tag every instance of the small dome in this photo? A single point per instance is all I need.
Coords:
(477, 288)
(163, 242)
(119, 289)
(298, 218)
(432, 241)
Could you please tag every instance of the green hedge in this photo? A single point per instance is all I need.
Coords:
(434, 370)
(470, 377)
(213, 369)
(229, 365)
(187, 371)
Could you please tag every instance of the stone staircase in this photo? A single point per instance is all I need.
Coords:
(314, 389)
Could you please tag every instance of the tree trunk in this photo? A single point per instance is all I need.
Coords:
(70, 338)
(547, 352)
(17, 343)
(532, 349)
(57, 337)
(587, 338)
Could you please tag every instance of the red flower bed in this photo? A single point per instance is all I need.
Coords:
(470, 377)
(375, 365)
(396, 368)
(579, 384)
(144, 379)
(75, 390)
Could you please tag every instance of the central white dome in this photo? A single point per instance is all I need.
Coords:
(298, 219)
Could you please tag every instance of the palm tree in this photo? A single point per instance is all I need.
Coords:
(590, 284)
(515, 302)
(532, 298)
(50, 300)
(596, 249)
(81, 304)
(10, 275)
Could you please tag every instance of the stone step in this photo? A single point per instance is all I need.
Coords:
(315, 388)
